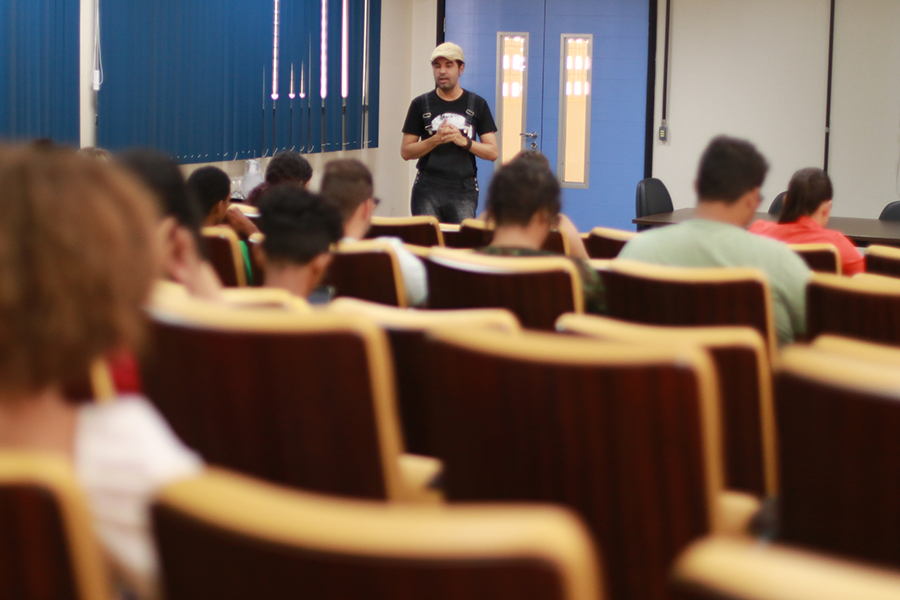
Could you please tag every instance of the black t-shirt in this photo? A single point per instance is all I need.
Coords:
(448, 161)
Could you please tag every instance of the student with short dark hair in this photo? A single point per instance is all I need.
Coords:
(807, 208)
(728, 183)
(285, 167)
(524, 204)
(300, 228)
(348, 183)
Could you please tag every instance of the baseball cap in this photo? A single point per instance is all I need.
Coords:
(448, 50)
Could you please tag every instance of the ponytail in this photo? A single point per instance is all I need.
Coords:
(808, 189)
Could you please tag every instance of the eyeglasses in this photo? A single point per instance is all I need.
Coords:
(377, 201)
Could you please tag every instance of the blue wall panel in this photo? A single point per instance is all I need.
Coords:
(39, 70)
(620, 30)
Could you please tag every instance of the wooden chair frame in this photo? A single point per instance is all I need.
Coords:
(809, 251)
(885, 254)
(194, 313)
(693, 275)
(379, 247)
(411, 221)
(56, 475)
(619, 235)
(479, 263)
(728, 569)
(707, 337)
(306, 523)
(546, 348)
(227, 233)
(863, 284)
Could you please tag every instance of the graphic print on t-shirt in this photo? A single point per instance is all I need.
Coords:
(455, 119)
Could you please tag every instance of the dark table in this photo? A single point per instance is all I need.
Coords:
(862, 232)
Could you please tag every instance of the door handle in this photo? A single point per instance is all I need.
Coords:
(533, 135)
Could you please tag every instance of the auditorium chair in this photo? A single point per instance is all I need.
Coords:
(745, 389)
(660, 295)
(407, 331)
(728, 569)
(475, 233)
(838, 423)
(300, 398)
(883, 260)
(369, 270)
(536, 289)
(822, 258)
(48, 546)
(604, 242)
(865, 307)
(420, 231)
(225, 255)
(626, 435)
(227, 537)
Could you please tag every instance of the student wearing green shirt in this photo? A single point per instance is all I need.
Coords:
(728, 184)
(524, 204)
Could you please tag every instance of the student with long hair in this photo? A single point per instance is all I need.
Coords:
(807, 208)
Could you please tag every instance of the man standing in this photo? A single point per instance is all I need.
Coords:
(728, 183)
(440, 131)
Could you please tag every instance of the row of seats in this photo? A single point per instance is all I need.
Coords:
(632, 427)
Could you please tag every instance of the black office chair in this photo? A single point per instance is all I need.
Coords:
(891, 212)
(652, 198)
(777, 204)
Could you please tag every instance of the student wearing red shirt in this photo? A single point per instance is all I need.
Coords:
(807, 207)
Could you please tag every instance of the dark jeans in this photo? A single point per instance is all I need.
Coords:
(450, 200)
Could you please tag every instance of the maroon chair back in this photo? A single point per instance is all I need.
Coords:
(617, 433)
(294, 403)
(865, 307)
(839, 454)
(821, 258)
(369, 272)
(602, 242)
(883, 260)
(224, 255)
(471, 236)
(535, 290)
(680, 296)
(743, 374)
(414, 230)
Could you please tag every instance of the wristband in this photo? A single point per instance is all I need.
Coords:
(468, 144)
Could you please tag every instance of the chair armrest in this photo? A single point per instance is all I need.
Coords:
(717, 567)
(420, 476)
(736, 511)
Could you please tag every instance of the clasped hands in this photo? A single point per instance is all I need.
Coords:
(448, 133)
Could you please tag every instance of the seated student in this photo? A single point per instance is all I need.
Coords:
(285, 167)
(348, 183)
(524, 204)
(182, 250)
(211, 186)
(76, 266)
(807, 208)
(729, 179)
(300, 228)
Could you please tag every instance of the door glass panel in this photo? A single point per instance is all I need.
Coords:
(575, 109)
(512, 90)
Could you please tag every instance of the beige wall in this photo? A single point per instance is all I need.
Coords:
(758, 69)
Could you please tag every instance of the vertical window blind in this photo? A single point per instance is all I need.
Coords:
(39, 70)
(194, 78)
